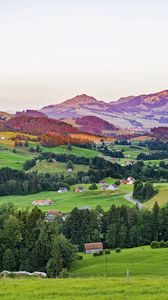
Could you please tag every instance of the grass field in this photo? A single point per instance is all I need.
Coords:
(64, 150)
(161, 198)
(141, 261)
(57, 167)
(148, 279)
(14, 160)
(65, 202)
(144, 288)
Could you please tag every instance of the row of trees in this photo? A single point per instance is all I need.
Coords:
(143, 191)
(29, 243)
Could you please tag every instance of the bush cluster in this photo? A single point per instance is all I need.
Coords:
(161, 244)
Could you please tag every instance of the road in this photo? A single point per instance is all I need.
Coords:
(129, 198)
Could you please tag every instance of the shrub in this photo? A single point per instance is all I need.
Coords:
(162, 244)
(166, 244)
(117, 250)
(64, 273)
(79, 257)
(107, 251)
(155, 245)
(96, 254)
(101, 252)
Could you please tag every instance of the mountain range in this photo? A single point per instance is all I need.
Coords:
(134, 112)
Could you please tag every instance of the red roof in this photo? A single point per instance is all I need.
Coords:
(90, 246)
(54, 212)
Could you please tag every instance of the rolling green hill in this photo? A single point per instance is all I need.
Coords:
(148, 279)
(65, 202)
(141, 261)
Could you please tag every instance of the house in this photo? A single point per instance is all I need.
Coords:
(123, 181)
(131, 180)
(85, 207)
(79, 189)
(93, 248)
(42, 202)
(51, 214)
(70, 170)
(101, 182)
(109, 187)
(62, 190)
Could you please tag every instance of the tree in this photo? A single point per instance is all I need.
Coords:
(93, 187)
(9, 261)
(155, 222)
(70, 164)
(63, 255)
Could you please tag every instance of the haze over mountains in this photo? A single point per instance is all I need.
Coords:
(138, 112)
(84, 112)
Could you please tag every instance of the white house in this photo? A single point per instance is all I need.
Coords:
(62, 190)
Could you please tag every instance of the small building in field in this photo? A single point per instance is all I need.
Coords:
(42, 202)
(85, 207)
(62, 190)
(51, 214)
(90, 248)
(79, 189)
(129, 180)
(109, 187)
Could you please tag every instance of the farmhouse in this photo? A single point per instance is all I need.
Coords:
(93, 248)
(50, 217)
(62, 190)
(129, 180)
(79, 189)
(109, 187)
(42, 202)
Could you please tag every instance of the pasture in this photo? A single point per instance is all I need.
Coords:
(65, 202)
(161, 197)
(139, 288)
(140, 261)
(148, 279)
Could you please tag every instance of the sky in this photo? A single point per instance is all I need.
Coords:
(53, 50)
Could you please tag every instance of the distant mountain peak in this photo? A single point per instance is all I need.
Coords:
(80, 100)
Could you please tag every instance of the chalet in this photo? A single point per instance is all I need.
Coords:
(109, 187)
(79, 189)
(93, 248)
(51, 214)
(42, 202)
(62, 190)
(129, 180)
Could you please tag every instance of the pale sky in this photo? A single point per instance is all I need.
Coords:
(52, 50)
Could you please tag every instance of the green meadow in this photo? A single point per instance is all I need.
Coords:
(148, 277)
(143, 288)
(140, 261)
(65, 202)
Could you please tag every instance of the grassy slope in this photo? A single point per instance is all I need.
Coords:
(161, 198)
(141, 261)
(148, 279)
(65, 202)
(75, 150)
(57, 167)
(144, 288)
